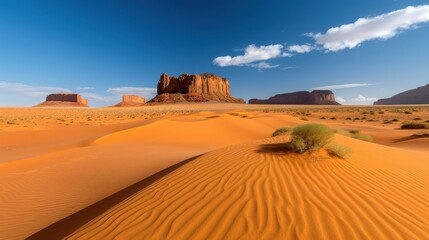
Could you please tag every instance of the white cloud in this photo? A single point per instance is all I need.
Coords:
(340, 100)
(340, 86)
(301, 48)
(252, 53)
(290, 67)
(383, 26)
(262, 65)
(143, 92)
(28, 90)
(361, 98)
(85, 88)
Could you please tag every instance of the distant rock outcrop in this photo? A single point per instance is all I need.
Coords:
(131, 101)
(316, 97)
(194, 88)
(64, 99)
(419, 95)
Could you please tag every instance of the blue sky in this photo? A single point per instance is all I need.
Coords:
(103, 49)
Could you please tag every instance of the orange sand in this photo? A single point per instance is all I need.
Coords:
(240, 190)
(246, 191)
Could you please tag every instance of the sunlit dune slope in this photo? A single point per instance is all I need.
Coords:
(43, 189)
(256, 191)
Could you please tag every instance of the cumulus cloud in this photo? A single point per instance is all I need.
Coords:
(143, 92)
(382, 26)
(84, 88)
(361, 98)
(340, 86)
(28, 90)
(301, 48)
(252, 54)
(340, 100)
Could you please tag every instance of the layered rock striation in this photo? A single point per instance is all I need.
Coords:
(419, 95)
(194, 88)
(131, 101)
(64, 99)
(316, 97)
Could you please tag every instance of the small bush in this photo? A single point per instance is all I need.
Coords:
(394, 120)
(333, 118)
(362, 137)
(349, 118)
(354, 134)
(408, 112)
(421, 134)
(281, 131)
(339, 150)
(417, 119)
(310, 137)
(322, 118)
(353, 131)
(415, 126)
(304, 119)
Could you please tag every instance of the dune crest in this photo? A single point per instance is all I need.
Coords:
(254, 190)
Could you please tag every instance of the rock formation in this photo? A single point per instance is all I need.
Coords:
(194, 88)
(316, 97)
(64, 99)
(131, 101)
(419, 95)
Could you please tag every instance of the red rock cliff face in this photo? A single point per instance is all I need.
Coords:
(419, 95)
(193, 88)
(316, 97)
(64, 99)
(131, 101)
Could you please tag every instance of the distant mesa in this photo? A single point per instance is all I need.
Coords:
(193, 88)
(316, 97)
(419, 95)
(131, 101)
(64, 100)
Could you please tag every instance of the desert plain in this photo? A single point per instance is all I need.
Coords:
(211, 171)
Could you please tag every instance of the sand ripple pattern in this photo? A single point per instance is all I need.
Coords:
(240, 193)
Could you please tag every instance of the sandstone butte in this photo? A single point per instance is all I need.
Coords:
(418, 95)
(193, 88)
(316, 97)
(64, 99)
(131, 101)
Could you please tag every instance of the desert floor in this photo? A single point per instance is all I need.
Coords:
(210, 171)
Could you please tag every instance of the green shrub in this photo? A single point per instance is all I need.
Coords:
(421, 134)
(339, 150)
(310, 137)
(354, 134)
(281, 131)
(362, 137)
(415, 126)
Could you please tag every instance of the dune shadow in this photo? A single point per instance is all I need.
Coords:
(403, 139)
(68, 225)
(273, 148)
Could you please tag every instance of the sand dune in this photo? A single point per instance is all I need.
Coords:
(43, 189)
(51, 174)
(253, 190)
